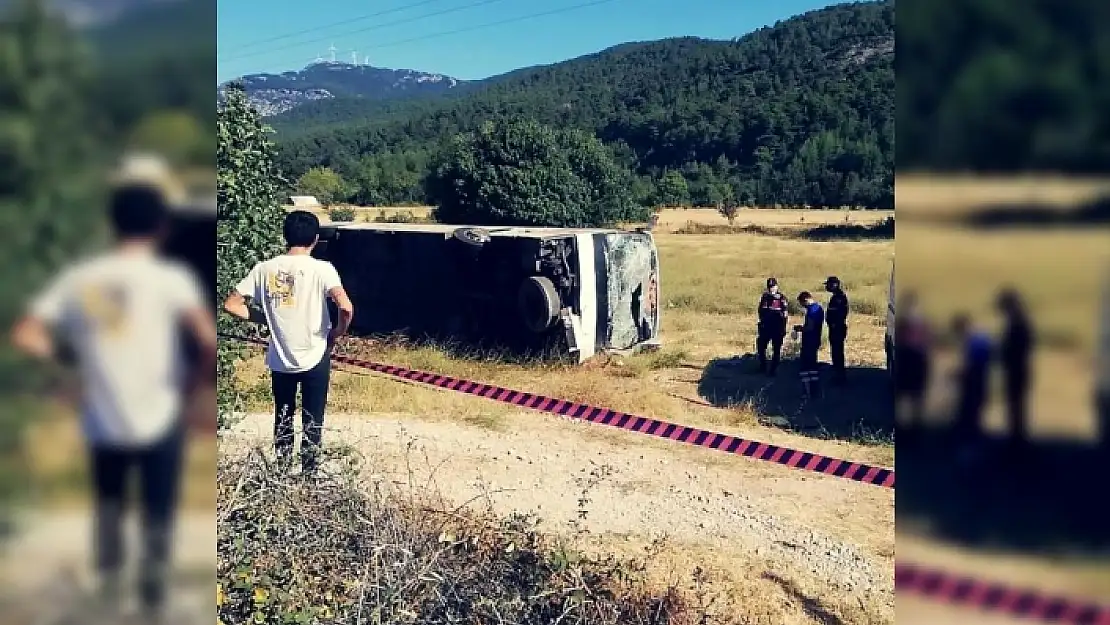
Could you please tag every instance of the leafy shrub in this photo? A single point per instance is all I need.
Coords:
(341, 213)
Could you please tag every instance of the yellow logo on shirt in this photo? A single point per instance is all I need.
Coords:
(105, 308)
(280, 289)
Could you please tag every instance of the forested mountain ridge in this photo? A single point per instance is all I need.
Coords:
(273, 94)
(798, 113)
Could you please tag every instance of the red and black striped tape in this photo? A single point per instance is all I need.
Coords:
(931, 584)
(816, 463)
(993, 597)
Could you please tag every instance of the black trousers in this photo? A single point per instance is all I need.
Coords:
(911, 382)
(159, 471)
(313, 385)
(1017, 381)
(774, 339)
(837, 337)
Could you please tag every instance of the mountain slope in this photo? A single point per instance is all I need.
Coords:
(801, 112)
(273, 94)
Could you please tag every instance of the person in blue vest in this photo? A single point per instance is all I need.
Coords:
(972, 378)
(811, 328)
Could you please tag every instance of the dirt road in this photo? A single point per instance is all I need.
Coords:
(788, 547)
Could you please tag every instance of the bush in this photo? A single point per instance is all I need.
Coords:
(249, 221)
(329, 552)
(521, 173)
(405, 217)
(341, 213)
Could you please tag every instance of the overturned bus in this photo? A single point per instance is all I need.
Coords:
(525, 290)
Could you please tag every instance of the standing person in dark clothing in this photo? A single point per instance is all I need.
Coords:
(811, 344)
(973, 377)
(911, 360)
(837, 319)
(773, 316)
(1014, 351)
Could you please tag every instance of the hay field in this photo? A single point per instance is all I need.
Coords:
(925, 193)
(671, 219)
(958, 268)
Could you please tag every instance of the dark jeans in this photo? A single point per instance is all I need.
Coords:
(313, 385)
(808, 369)
(775, 340)
(911, 382)
(159, 470)
(837, 337)
(972, 400)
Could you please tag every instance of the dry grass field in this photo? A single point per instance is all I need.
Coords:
(782, 547)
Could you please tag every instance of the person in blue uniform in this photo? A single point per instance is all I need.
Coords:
(773, 316)
(810, 330)
(972, 378)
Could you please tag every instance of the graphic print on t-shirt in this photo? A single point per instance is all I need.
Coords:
(280, 287)
(104, 306)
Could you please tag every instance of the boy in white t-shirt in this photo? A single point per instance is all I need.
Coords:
(121, 315)
(293, 290)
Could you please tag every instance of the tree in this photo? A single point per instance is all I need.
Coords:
(672, 189)
(177, 136)
(249, 218)
(525, 173)
(323, 183)
(50, 179)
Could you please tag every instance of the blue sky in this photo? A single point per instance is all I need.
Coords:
(278, 35)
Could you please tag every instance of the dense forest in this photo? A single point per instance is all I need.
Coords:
(1004, 85)
(152, 79)
(800, 113)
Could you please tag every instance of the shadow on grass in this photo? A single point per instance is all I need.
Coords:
(862, 411)
(1028, 216)
(812, 607)
(1034, 496)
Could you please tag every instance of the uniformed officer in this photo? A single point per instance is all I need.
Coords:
(773, 315)
(837, 319)
(810, 330)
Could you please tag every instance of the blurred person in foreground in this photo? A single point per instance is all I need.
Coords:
(1015, 353)
(810, 331)
(293, 291)
(912, 347)
(121, 315)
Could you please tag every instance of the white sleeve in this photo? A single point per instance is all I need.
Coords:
(330, 276)
(187, 292)
(49, 304)
(248, 286)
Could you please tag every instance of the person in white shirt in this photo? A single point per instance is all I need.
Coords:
(293, 291)
(120, 316)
